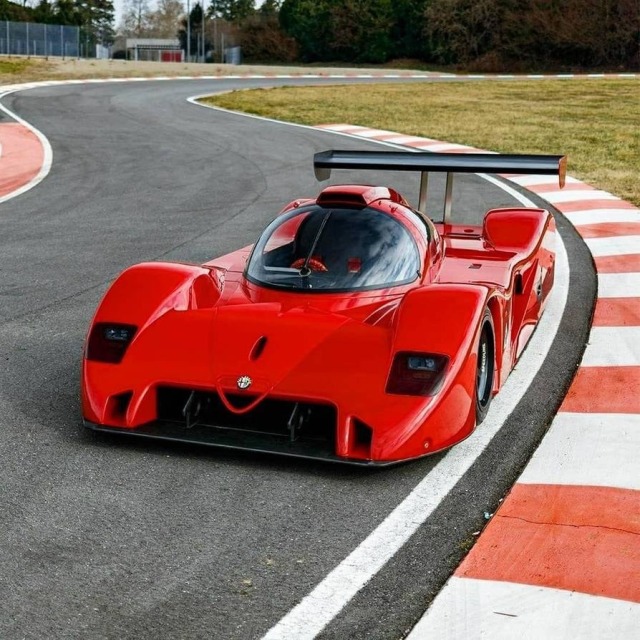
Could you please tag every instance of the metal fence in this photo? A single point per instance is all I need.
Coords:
(32, 39)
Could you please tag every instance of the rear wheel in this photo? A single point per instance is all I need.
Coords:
(485, 367)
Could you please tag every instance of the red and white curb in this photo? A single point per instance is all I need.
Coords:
(561, 557)
(21, 158)
(25, 155)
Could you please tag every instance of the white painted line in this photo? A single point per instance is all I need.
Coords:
(331, 595)
(619, 285)
(447, 146)
(588, 449)
(373, 133)
(613, 347)
(556, 197)
(319, 607)
(47, 159)
(614, 246)
(404, 139)
(339, 127)
(595, 216)
(539, 181)
(489, 610)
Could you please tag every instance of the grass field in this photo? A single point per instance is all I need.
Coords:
(595, 122)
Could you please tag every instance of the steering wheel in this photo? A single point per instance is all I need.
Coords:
(314, 264)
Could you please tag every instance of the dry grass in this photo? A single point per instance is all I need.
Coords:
(15, 69)
(595, 122)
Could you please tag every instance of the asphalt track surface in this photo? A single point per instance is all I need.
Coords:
(111, 538)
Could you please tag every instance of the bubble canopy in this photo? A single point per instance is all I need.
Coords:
(314, 248)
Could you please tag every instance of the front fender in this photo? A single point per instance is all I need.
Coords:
(440, 318)
(443, 319)
(141, 296)
(144, 291)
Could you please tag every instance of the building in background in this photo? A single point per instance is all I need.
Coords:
(149, 49)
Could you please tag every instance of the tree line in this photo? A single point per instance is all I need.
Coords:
(482, 34)
(487, 35)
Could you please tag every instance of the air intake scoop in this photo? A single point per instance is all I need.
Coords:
(359, 196)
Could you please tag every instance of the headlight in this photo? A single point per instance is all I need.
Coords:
(108, 341)
(417, 374)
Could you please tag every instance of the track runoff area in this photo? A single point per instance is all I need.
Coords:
(572, 512)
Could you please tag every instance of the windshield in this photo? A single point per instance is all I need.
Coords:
(334, 250)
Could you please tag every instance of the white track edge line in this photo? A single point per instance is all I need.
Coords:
(332, 594)
(316, 610)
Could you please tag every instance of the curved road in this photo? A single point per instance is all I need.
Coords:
(105, 538)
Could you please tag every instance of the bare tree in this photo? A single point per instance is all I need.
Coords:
(164, 22)
(136, 18)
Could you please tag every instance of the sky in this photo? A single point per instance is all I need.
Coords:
(119, 7)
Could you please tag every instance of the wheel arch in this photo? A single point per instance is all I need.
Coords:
(497, 309)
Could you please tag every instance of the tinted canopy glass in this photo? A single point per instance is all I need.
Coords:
(315, 248)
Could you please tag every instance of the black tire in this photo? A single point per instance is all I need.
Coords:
(485, 368)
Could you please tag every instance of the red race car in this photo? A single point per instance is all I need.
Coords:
(354, 330)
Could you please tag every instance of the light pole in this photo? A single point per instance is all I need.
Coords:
(188, 31)
(215, 36)
(203, 38)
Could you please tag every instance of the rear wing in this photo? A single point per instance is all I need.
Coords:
(449, 163)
